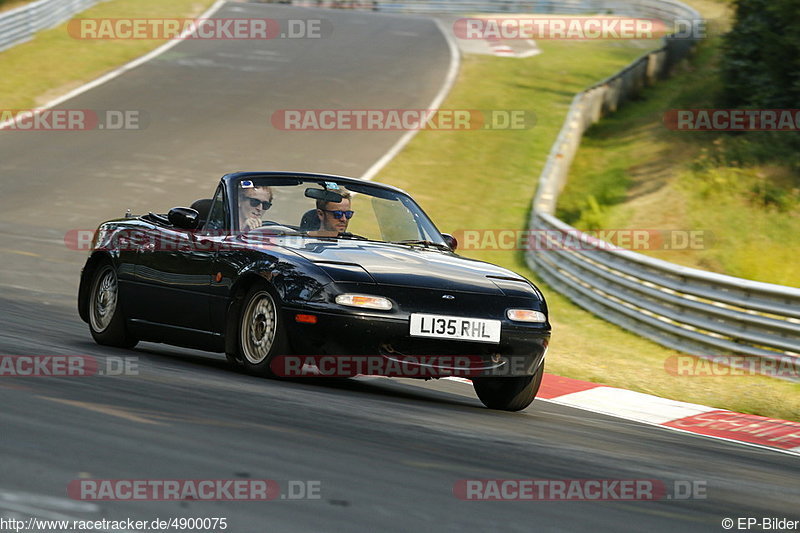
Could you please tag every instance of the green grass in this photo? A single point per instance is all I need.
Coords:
(486, 180)
(53, 63)
(7, 5)
(741, 190)
(479, 179)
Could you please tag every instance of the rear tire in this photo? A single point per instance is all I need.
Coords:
(508, 394)
(260, 332)
(106, 322)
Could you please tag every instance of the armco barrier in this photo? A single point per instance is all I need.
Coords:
(20, 24)
(687, 309)
(690, 310)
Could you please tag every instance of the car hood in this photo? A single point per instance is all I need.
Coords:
(416, 266)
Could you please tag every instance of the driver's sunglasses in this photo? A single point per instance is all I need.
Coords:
(255, 202)
(339, 214)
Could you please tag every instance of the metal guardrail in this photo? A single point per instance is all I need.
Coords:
(697, 312)
(639, 8)
(691, 310)
(694, 311)
(21, 24)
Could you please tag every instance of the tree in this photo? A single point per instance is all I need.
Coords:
(761, 55)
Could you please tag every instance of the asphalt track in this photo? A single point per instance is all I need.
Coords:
(386, 453)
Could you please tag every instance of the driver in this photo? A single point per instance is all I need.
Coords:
(335, 216)
(253, 201)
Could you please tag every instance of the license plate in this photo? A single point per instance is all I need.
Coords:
(455, 327)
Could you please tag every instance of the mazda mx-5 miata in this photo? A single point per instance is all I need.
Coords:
(287, 264)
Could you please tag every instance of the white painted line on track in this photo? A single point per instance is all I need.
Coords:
(794, 451)
(632, 405)
(124, 68)
(585, 400)
(52, 503)
(646, 409)
(452, 72)
(47, 508)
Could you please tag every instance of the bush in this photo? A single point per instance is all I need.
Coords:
(761, 55)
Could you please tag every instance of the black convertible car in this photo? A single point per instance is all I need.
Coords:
(283, 264)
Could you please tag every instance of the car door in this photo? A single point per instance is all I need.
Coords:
(217, 231)
(173, 274)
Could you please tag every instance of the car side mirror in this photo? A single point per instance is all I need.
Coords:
(450, 241)
(184, 217)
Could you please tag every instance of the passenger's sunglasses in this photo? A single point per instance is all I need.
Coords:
(339, 214)
(255, 202)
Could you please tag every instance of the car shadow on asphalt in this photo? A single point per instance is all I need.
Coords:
(378, 386)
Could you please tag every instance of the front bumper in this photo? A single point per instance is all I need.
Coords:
(520, 352)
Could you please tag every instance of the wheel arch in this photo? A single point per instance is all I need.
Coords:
(238, 291)
(87, 274)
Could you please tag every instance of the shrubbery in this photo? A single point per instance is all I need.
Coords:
(761, 55)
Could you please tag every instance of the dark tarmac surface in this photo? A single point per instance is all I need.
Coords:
(386, 453)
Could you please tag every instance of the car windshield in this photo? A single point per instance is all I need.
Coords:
(320, 208)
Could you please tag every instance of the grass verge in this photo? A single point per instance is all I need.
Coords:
(53, 63)
(8, 5)
(486, 180)
(741, 190)
(466, 180)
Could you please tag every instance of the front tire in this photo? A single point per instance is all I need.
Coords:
(508, 394)
(106, 322)
(261, 334)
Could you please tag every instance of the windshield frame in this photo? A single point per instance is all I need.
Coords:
(368, 188)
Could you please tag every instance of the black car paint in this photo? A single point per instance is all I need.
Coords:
(187, 296)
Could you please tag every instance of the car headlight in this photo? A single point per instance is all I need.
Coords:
(526, 315)
(364, 301)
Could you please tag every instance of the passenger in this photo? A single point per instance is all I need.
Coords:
(335, 216)
(253, 201)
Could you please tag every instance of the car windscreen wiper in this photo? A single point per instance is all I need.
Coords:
(412, 242)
